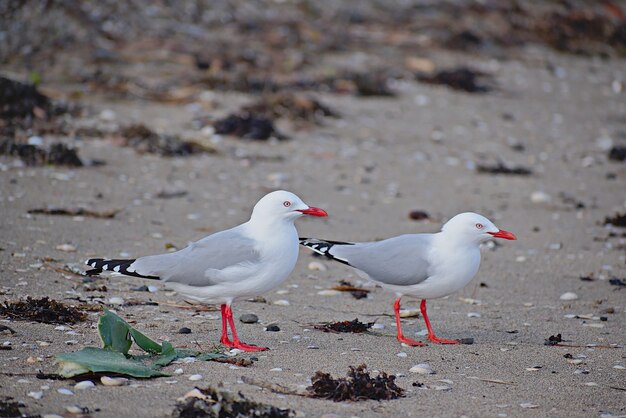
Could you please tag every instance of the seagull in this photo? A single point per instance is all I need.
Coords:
(238, 263)
(425, 266)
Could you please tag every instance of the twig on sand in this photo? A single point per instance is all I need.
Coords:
(274, 387)
(498, 381)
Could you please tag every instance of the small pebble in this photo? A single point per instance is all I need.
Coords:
(36, 394)
(249, 318)
(276, 369)
(195, 377)
(64, 391)
(113, 381)
(422, 368)
(401, 354)
(116, 300)
(378, 326)
(68, 248)
(281, 302)
(184, 330)
(569, 296)
(314, 347)
(473, 315)
(468, 341)
(528, 405)
(317, 266)
(74, 409)
(540, 197)
(272, 328)
(619, 367)
(328, 292)
(179, 371)
(85, 384)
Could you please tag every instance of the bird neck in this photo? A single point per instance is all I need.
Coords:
(451, 240)
(267, 227)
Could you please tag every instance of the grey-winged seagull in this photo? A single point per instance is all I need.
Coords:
(234, 264)
(425, 266)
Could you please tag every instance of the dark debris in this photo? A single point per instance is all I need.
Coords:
(615, 281)
(247, 126)
(462, 79)
(226, 405)
(553, 340)
(357, 386)
(618, 220)
(292, 106)
(617, 153)
(34, 155)
(418, 215)
(74, 212)
(354, 326)
(501, 168)
(356, 292)
(44, 310)
(145, 140)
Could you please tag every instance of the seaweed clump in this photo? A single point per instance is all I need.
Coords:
(357, 386)
(46, 310)
(209, 403)
(354, 326)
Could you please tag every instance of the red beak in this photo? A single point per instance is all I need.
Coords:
(313, 211)
(503, 234)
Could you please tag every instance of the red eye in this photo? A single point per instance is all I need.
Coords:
(286, 203)
(479, 226)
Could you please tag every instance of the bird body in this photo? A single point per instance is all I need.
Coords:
(237, 263)
(426, 266)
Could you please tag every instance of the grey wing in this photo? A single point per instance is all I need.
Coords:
(204, 262)
(401, 260)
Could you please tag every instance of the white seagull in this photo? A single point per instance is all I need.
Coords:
(425, 266)
(230, 265)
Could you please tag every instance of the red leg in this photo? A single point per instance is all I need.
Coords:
(400, 336)
(236, 342)
(224, 339)
(431, 334)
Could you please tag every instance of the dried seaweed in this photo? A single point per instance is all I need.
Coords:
(418, 215)
(617, 153)
(247, 125)
(33, 155)
(292, 106)
(19, 100)
(462, 78)
(75, 212)
(553, 340)
(9, 408)
(44, 310)
(145, 140)
(357, 386)
(209, 403)
(618, 220)
(354, 326)
(615, 281)
(500, 168)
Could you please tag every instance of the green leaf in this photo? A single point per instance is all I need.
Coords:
(144, 342)
(100, 360)
(114, 332)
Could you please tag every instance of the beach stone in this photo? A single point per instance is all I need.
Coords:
(272, 328)
(422, 368)
(569, 296)
(195, 377)
(184, 330)
(317, 266)
(113, 381)
(249, 318)
(85, 384)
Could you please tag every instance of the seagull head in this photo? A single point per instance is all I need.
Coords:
(475, 228)
(283, 205)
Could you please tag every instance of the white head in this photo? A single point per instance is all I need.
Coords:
(472, 227)
(283, 205)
